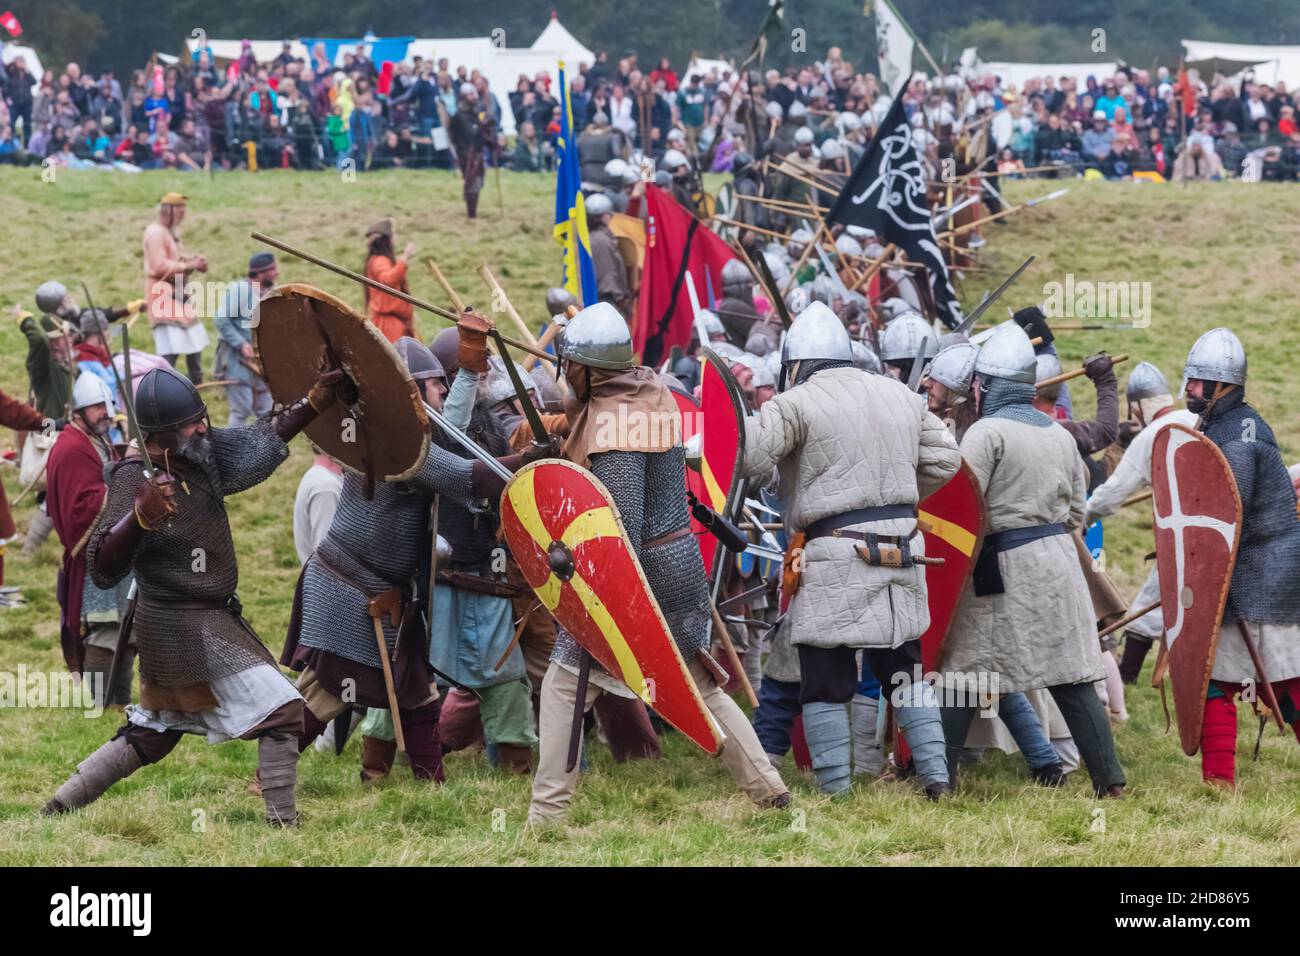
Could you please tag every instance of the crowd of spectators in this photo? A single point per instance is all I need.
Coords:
(291, 113)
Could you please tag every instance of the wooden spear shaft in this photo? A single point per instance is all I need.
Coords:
(1074, 373)
(380, 287)
(490, 280)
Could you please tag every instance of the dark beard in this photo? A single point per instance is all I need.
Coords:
(1197, 405)
(196, 449)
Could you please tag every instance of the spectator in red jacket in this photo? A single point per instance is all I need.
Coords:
(664, 71)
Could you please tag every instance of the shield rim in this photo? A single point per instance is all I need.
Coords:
(740, 410)
(596, 483)
(289, 289)
(1160, 442)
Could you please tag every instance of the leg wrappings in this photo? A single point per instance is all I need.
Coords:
(277, 766)
(826, 728)
(920, 722)
(868, 756)
(112, 762)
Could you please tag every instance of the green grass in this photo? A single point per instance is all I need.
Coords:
(1220, 254)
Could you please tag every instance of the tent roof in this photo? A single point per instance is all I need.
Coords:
(1018, 73)
(1272, 63)
(556, 37)
(12, 51)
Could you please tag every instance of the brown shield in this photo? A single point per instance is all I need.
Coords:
(298, 331)
(1197, 527)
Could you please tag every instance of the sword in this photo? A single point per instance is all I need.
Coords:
(695, 310)
(918, 365)
(128, 402)
(775, 292)
(968, 323)
(468, 443)
(540, 437)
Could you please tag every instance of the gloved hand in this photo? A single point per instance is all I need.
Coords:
(473, 328)
(1098, 366)
(1034, 322)
(536, 452)
(54, 424)
(155, 500)
(1127, 431)
(135, 305)
(332, 385)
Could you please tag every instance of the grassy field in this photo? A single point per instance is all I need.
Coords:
(1214, 254)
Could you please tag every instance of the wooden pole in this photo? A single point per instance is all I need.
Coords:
(1074, 373)
(450, 292)
(1125, 621)
(1143, 496)
(389, 290)
(803, 258)
(485, 273)
(733, 658)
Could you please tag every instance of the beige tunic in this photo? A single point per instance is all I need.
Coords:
(1041, 631)
(841, 441)
(163, 269)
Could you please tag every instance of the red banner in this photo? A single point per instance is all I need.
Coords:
(675, 242)
(10, 23)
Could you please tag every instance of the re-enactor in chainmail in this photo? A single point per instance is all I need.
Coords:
(375, 547)
(644, 471)
(202, 669)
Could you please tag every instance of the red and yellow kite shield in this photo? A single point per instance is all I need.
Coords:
(952, 520)
(695, 484)
(564, 530)
(1198, 526)
(723, 409)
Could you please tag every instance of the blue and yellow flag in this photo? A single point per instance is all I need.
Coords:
(570, 211)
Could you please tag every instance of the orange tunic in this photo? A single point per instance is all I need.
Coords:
(390, 314)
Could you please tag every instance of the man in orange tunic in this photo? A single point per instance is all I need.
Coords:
(390, 314)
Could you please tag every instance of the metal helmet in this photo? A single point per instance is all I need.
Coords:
(1217, 356)
(849, 121)
(1046, 365)
(777, 265)
(499, 386)
(726, 350)
(735, 275)
(1145, 381)
(902, 339)
(89, 389)
(741, 161)
(846, 245)
(664, 179)
(798, 239)
(165, 400)
(558, 300)
(93, 322)
(712, 324)
(548, 391)
(893, 307)
(597, 204)
(816, 333)
(796, 110)
(803, 136)
(773, 110)
(616, 169)
(420, 360)
(598, 336)
(673, 159)
(823, 289)
(865, 359)
(860, 233)
(763, 377)
(49, 296)
(831, 149)
(1007, 353)
(953, 367)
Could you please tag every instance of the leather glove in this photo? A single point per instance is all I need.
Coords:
(135, 305)
(1098, 366)
(155, 500)
(536, 452)
(1034, 322)
(1127, 431)
(473, 353)
(332, 385)
(54, 424)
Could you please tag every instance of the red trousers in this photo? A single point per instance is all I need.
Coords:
(1219, 729)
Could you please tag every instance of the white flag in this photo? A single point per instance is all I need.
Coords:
(894, 45)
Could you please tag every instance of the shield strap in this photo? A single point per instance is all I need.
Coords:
(367, 460)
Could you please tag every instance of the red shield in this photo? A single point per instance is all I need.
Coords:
(1197, 526)
(565, 532)
(723, 410)
(952, 521)
(691, 423)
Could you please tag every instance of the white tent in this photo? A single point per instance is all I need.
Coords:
(1271, 63)
(1016, 74)
(264, 50)
(555, 38)
(702, 65)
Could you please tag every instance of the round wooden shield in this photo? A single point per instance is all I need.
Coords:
(299, 331)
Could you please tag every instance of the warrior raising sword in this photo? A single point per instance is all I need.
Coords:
(202, 669)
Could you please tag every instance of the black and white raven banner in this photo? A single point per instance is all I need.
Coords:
(886, 194)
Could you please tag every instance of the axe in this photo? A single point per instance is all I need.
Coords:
(390, 603)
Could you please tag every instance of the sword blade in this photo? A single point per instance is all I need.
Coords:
(468, 443)
(530, 410)
(128, 400)
(918, 365)
(968, 323)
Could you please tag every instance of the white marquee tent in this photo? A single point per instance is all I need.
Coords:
(1271, 63)
(1016, 74)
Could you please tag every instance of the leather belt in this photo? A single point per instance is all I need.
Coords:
(230, 603)
(987, 576)
(830, 526)
(665, 538)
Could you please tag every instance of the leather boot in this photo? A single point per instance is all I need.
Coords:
(112, 762)
(1135, 652)
(515, 758)
(376, 758)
